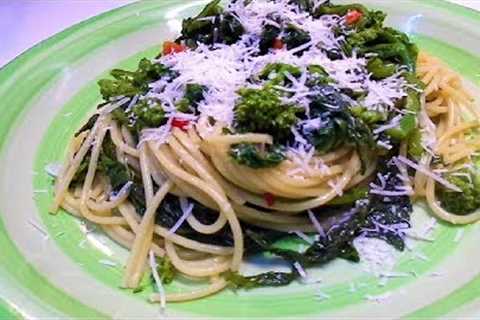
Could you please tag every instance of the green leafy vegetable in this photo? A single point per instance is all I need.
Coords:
(406, 127)
(341, 127)
(130, 83)
(166, 270)
(350, 196)
(415, 149)
(117, 172)
(267, 279)
(193, 95)
(389, 44)
(221, 27)
(252, 156)
(338, 242)
(276, 72)
(467, 201)
(140, 116)
(90, 123)
(369, 116)
(268, 36)
(388, 216)
(380, 69)
(294, 37)
(318, 75)
(262, 111)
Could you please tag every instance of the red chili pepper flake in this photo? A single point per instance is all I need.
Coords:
(269, 199)
(278, 44)
(353, 16)
(180, 123)
(170, 47)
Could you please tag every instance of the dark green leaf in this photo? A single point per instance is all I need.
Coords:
(267, 279)
(220, 28)
(350, 196)
(250, 155)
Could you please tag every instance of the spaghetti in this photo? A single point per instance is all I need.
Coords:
(179, 138)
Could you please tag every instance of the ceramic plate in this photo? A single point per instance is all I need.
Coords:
(58, 267)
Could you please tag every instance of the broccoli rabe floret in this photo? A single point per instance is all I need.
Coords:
(129, 83)
(277, 72)
(142, 115)
(193, 95)
(262, 111)
(467, 201)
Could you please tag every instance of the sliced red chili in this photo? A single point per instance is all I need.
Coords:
(269, 199)
(353, 16)
(170, 47)
(278, 44)
(180, 123)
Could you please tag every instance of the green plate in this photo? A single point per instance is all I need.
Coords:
(57, 267)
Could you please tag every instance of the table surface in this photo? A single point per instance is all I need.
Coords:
(31, 21)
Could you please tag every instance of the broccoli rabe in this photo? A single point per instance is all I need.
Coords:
(220, 27)
(368, 116)
(267, 279)
(380, 69)
(142, 115)
(467, 201)
(250, 155)
(166, 270)
(414, 142)
(262, 111)
(405, 128)
(318, 75)
(341, 127)
(193, 95)
(295, 37)
(350, 196)
(130, 83)
(277, 71)
(276, 74)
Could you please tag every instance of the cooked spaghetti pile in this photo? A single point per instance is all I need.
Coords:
(267, 120)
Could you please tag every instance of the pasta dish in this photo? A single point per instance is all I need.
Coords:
(266, 120)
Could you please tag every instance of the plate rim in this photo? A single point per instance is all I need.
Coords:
(9, 69)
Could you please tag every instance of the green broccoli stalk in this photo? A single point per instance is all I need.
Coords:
(380, 69)
(468, 201)
(276, 72)
(262, 111)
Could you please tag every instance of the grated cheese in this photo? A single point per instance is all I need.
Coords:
(53, 169)
(39, 228)
(300, 270)
(187, 209)
(107, 263)
(158, 281)
(316, 224)
(303, 236)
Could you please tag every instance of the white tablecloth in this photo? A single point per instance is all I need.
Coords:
(23, 23)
